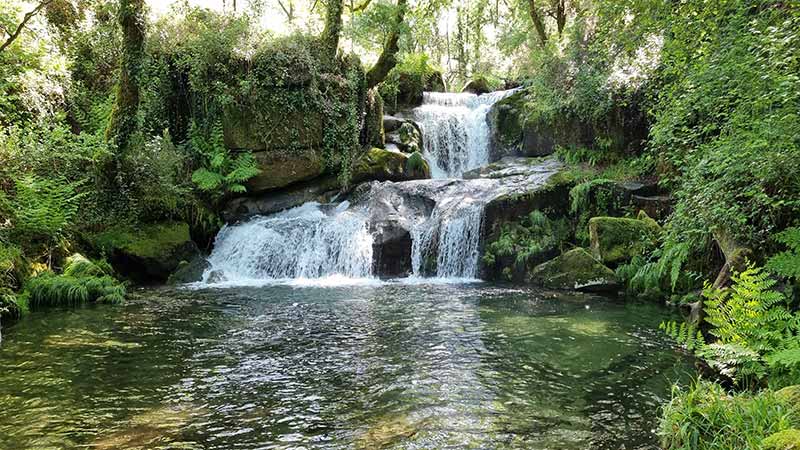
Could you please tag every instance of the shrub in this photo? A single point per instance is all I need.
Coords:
(705, 417)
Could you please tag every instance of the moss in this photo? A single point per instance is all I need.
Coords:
(417, 166)
(790, 394)
(575, 269)
(149, 241)
(384, 165)
(614, 240)
(783, 440)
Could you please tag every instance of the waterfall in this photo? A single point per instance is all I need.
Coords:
(455, 130)
(305, 242)
(453, 240)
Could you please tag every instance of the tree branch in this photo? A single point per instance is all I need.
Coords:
(538, 23)
(388, 58)
(28, 16)
(361, 7)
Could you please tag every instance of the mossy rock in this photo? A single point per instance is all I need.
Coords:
(373, 122)
(384, 165)
(147, 253)
(783, 440)
(477, 86)
(189, 271)
(574, 270)
(280, 170)
(790, 394)
(614, 240)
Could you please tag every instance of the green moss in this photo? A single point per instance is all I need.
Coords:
(790, 394)
(575, 269)
(149, 241)
(614, 240)
(783, 440)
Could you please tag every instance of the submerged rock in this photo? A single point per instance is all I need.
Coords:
(614, 240)
(149, 253)
(574, 270)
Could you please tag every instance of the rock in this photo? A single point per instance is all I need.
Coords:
(320, 189)
(517, 132)
(384, 165)
(149, 253)
(392, 123)
(790, 395)
(374, 165)
(408, 137)
(783, 440)
(374, 135)
(279, 170)
(614, 240)
(641, 188)
(391, 249)
(658, 206)
(736, 257)
(189, 271)
(410, 87)
(574, 270)
(477, 86)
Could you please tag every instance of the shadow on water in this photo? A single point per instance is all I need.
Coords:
(392, 366)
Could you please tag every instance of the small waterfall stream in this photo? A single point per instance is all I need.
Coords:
(455, 130)
(316, 241)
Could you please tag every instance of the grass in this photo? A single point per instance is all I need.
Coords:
(706, 417)
(83, 281)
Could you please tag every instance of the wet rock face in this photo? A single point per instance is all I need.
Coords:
(391, 249)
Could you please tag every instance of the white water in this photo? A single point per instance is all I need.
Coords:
(455, 131)
(301, 243)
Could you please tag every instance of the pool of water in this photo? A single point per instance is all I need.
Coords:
(393, 366)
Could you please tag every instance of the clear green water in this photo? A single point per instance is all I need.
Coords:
(392, 366)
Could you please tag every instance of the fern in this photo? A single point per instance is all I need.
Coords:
(220, 173)
(787, 263)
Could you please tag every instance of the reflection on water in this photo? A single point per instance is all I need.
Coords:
(365, 367)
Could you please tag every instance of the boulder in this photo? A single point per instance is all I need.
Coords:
(407, 137)
(280, 170)
(392, 123)
(384, 165)
(410, 87)
(148, 253)
(783, 440)
(189, 271)
(574, 270)
(477, 86)
(614, 240)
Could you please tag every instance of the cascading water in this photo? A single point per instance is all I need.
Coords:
(304, 242)
(442, 218)
(456, 131)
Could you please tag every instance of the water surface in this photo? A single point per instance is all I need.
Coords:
(395, 366)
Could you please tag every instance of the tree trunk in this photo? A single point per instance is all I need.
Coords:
(561, 16)
(122, 123)
(388, 58)
(333, 28)
(538, 23)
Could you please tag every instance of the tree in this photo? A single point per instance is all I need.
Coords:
(333, 29)
(13, 35)
(123, 117)
(388, 58)
(556, 9)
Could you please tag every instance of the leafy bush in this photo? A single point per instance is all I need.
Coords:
(705, 417)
